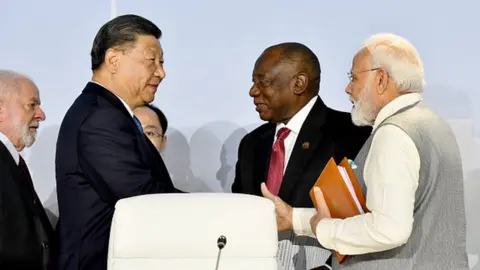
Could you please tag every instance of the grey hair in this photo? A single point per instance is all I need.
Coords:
(10, 81)
(399, 58)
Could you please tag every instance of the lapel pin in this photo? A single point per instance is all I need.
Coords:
(305, 145)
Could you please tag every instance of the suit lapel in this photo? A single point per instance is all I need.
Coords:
(17, 177)
(27, 190)
(306, 143)
(148, 151)
(261, 156)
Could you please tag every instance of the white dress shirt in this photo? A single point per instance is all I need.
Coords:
(123, 101)
(294, 125)
(293, 252)
(10, 147)
(391, 175)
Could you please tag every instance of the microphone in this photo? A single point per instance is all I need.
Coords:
(221, 243)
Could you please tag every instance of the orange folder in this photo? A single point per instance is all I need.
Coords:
(342, 193)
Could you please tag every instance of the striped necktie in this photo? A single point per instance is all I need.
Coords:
(138, 124)
(277, 162)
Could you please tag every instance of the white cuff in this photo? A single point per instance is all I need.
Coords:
(324, 232)
(301, 221)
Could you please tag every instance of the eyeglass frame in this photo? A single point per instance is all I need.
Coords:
(351, 73)
(155, 135)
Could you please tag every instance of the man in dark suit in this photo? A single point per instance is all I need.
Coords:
(102, 154)
(27, 240)
(302, 131)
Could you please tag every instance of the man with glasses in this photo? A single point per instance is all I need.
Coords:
(291, 150)
(102, 154)
(410, 170)
(154, 125)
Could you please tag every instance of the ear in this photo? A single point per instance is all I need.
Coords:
(382, 81)
(112, 57)
(299, 83)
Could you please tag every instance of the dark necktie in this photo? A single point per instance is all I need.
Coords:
(24, 169)
(28, 181)
(138, 124)
(277, 162)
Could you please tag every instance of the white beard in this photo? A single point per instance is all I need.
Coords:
(27, 137)
(363, 111)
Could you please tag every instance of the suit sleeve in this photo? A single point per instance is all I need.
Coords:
(237, 182)
(352, 137)
(349, 137)
(109, 154)
(357, 140)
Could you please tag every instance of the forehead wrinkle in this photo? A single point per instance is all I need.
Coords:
(361, 60)
(269, 64)
(27, 86)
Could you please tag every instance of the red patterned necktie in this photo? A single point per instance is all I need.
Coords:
(277, 162)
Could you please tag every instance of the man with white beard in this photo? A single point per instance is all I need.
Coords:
(410, 170)
(26, 235)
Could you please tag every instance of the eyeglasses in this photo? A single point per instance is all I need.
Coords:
(351, 75)
(152, 133)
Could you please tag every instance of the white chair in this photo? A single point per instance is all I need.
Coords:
(180, 231)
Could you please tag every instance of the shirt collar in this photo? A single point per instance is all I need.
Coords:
(296, 123)
(395, 105)
(10, 147)
(130, 111)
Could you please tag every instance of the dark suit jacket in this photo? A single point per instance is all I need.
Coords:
(101, 157)
(27, 240)
(329, 133)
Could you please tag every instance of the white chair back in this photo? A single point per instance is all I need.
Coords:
(180, 231)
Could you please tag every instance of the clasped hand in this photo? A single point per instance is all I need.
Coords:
(284, 212)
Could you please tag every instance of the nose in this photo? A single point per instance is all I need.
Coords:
(40, 114)
(254, 92)
(348, 89)
(160, 72)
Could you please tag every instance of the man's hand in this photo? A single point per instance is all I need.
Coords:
(322, 209)
(283, 211)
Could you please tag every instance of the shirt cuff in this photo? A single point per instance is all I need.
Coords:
(324, 232)
(301, 221)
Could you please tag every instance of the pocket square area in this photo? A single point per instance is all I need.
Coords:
(352, 164)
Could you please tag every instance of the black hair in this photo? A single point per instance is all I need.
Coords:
(161, 116)
(298, 52)
(120, 31)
